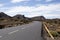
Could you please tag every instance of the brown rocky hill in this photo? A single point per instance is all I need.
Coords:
(22, 17)
(3, 15)
(19, 16)
(38, 18)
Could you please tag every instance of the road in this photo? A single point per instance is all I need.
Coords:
(31, 31)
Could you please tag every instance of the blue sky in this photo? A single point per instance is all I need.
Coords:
(31, 8)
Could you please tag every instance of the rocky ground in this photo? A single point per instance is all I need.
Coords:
(54, 27)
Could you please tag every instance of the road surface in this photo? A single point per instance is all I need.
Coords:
(31, 31)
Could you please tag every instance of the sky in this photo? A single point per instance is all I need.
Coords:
(31, 8)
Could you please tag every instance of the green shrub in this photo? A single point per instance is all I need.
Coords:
(54, 33)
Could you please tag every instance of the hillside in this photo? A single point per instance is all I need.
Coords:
(54, 27)
(8, 21)
(3, 15)
(18, 19)
(38, 18)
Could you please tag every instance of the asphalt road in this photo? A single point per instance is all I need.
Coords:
(31, 31)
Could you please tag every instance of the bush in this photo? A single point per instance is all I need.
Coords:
(54, 33)
(2, 26)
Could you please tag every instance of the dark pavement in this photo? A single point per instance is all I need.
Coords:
(31, 31)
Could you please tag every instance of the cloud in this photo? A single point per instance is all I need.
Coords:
(31, 11)
(48, 0)
(1, 5)
(16, 1)
(52, 15)
(38, 0)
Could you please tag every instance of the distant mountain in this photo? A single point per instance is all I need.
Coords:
(3, 15)
(19, 16)
(22, 17)
(38, 18)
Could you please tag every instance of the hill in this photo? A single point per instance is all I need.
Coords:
(3, 15)
(38, 18)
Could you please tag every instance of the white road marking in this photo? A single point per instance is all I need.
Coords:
(0, 36)
(23, 28)
(13, 32)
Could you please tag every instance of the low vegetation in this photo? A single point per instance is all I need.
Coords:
(4, 23)
(54, 33)
(54, 27)
(8, 21)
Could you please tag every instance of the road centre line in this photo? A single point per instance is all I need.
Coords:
(13, 32)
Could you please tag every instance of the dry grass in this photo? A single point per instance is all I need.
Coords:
(54, 26)
(6, 22)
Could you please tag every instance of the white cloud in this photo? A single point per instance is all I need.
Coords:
(48, 11)
(15, 1)
(38, 0)
(48, 0)
(52, 15)
(1, 5)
